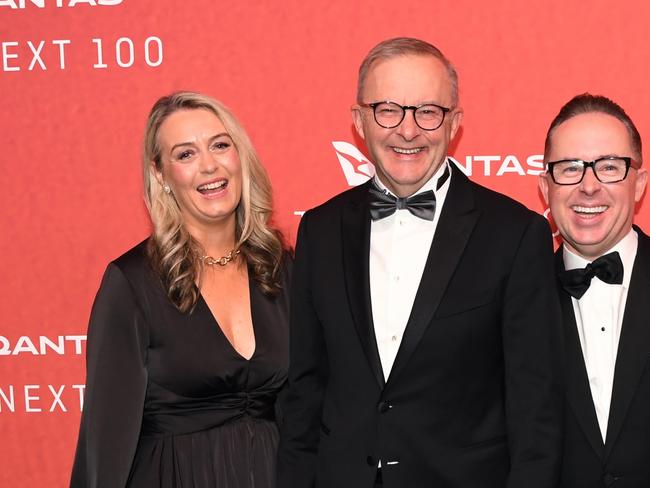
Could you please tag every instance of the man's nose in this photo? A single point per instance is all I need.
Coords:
(408, 128)
(590, 183)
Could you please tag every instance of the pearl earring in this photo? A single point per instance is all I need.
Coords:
(166, 188)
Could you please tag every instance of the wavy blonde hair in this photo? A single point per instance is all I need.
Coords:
(173, 252)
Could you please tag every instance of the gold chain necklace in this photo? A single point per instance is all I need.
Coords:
(222, 261)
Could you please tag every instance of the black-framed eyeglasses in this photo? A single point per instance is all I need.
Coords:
(609, 169)
(389, 115)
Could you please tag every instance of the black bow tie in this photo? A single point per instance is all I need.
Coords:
(608, 268)
(422, 205)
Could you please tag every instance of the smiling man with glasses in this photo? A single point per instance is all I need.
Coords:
(423, 310)
(593, 182)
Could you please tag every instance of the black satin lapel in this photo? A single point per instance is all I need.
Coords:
(634, 343)
(454, 228)
(356, 248)
(578, 391)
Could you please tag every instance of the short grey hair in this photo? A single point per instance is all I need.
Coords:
(403, 46)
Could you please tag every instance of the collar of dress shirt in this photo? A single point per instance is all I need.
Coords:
(626, 247)
(429, 185)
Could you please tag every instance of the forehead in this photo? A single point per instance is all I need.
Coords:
(590, 136)
(408, 79)
(189, 125)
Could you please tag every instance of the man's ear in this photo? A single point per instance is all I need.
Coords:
(542, 182)
(456, 119)
(357, 119)
(641, 182)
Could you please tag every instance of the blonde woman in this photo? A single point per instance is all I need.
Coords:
(188, 336)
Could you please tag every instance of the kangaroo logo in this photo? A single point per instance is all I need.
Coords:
(357, 172)
(549, 217)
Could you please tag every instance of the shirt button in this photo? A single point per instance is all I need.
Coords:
(393, 338)
(609, 479)
(397, 278)
(384, 407)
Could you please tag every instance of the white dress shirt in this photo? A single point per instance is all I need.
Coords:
(399, 246)
(599, 317)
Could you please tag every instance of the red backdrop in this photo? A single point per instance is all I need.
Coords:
(77, 80)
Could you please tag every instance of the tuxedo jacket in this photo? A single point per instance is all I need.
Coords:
(623, 461)
(472, 399)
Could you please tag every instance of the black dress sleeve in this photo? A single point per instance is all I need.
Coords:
(116, 381)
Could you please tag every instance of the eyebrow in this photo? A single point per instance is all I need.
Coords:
(216, 136)
(611, 155)
(426, 102)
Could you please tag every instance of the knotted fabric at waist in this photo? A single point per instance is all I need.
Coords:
(167, 413)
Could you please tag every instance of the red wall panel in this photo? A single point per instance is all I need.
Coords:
(72, 124)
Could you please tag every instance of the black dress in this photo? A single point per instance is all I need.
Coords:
(169, 402)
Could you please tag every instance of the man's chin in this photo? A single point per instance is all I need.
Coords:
(587, 246)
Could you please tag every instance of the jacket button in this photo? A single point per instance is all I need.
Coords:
(383, 407)
(371, 461)
(609, 479)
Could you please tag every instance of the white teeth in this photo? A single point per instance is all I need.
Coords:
(407, 151)
(212, 186)
(589, 210)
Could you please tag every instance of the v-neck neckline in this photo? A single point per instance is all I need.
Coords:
(220, 330)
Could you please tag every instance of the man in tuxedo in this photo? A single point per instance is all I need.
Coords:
(423, 310)
(594, 179)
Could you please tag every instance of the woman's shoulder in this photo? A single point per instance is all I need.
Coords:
(134, 264)
(134, 257)
(131, 273)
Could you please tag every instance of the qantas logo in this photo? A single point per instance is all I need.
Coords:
(42, 345)
(25, 4)
(356, 167)
(551, 222)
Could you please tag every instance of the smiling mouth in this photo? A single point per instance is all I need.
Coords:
(589, 210)
(401, 150)
(211, 187)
